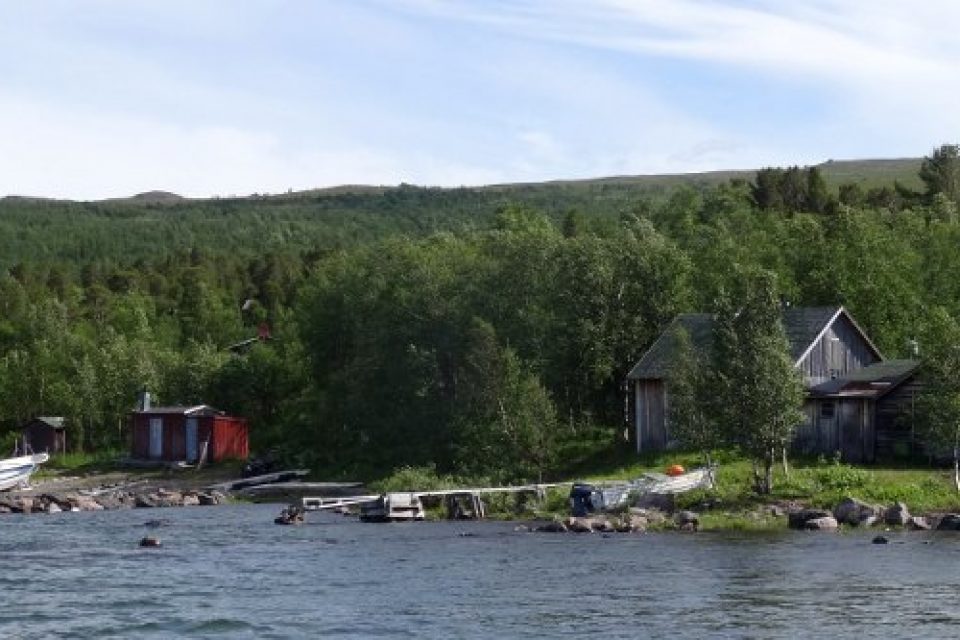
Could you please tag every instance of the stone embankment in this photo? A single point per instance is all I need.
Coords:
(856, 513)
(634, 521)
(55, 502)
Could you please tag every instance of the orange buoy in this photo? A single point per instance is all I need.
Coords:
(675, 470)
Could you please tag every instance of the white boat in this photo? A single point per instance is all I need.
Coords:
(16, 472)
(587, 498)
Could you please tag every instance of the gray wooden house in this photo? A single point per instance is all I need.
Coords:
(857, 403)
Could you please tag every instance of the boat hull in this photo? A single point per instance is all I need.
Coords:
(16, 472)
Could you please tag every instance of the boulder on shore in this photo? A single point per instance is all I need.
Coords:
(799, 518)
(579, 525)
(555, 526)
(918, 523)
(687, 521)
(897, 515)
(855, 512)
(826, 523)
(949, 522)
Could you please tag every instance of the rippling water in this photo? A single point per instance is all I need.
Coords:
(230, 572)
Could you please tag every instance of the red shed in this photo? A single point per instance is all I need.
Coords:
(187, 433)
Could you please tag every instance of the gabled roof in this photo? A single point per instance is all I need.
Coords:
(197, 410)
(656, 362)
(803, 327)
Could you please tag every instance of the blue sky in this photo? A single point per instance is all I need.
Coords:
(104, 98)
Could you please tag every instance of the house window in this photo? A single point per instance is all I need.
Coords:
(827, 410)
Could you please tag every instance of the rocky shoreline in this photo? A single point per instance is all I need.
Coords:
(848, 513)
(106, 500)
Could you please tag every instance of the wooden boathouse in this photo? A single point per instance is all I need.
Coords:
(857, 403)
(45, 434)
(189, 434)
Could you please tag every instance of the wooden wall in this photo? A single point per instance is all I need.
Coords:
(650, 415)
(850, 430)
(43, 438)
(839, 350)
(895, 421)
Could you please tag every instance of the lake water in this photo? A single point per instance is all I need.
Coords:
(229, 572)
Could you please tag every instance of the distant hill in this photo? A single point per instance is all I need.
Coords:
(156, 224)
(151, 197)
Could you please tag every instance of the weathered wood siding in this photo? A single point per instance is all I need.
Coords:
(849, 430)
(895, 421)
(43, 438)
(650, 415)
(839, 350)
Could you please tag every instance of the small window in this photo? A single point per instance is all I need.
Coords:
(826, 410)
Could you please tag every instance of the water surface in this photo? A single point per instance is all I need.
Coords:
(229, 572)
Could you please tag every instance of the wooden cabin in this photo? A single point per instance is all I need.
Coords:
(188, 434)
(45, 434)
(855, 400)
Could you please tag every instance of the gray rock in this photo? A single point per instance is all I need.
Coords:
(918, 523)
(211, 498)
(799, 518)
(53, 507)
(603, 525)
(897, 515)
(687, 520)
(826, 523)
(190, 500)
(553, 527)
(638, 524)
(580, 525)
(949, 522)
(112, 501)
(854, 512)
(147, 500)
(869, 521)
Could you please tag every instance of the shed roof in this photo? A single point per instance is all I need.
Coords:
(802, 326)
(54, 422)
(876, 379)
(196, 410)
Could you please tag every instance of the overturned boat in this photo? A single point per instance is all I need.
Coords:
(588, 498)
(16, 472)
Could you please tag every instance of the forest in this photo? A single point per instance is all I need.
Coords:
(481, 331)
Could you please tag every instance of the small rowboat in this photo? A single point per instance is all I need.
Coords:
(588, 498)
(16, 472)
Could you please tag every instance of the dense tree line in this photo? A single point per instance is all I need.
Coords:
(475, 330)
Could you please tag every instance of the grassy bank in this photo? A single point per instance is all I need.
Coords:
(732, 504)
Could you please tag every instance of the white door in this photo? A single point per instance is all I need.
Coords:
(156, 438)
(191, 439)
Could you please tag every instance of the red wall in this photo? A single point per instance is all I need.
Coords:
(228, 436)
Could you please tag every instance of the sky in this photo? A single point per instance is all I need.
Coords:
(107, 98)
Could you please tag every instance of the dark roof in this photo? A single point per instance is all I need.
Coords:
(656, 362)
(802, 325)
(196, 410)
(54, 422)
(873, 380)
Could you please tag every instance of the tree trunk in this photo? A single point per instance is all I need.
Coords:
(956, 466)
(786, 467)
(768, 474)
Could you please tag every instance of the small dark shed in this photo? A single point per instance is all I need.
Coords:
(45, 434)
(189, 434)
